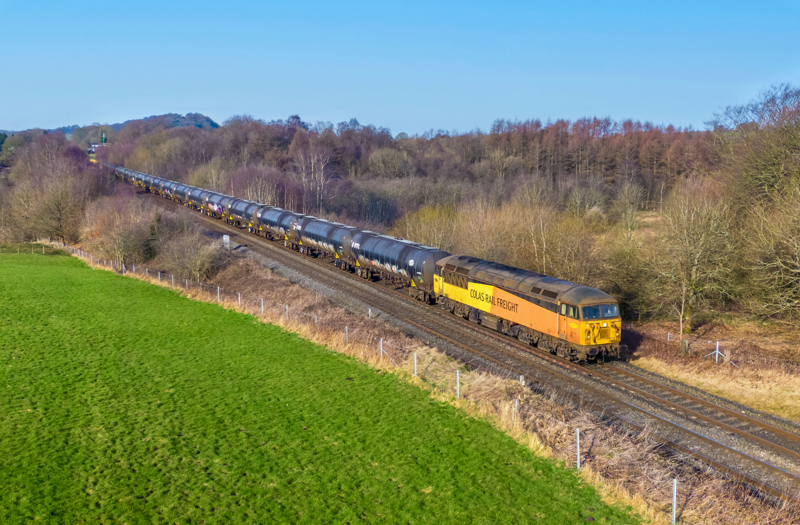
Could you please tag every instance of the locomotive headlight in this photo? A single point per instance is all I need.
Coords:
(605, 325)
(588, 336)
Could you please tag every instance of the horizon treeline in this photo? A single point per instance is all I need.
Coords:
(674, 222)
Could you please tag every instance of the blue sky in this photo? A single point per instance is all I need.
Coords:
(408, 66)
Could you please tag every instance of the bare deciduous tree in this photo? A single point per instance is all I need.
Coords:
(626, 206)
(773, 242)
(430, 225)
(311, 170)
(695, 250)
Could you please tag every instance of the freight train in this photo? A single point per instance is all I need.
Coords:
(570, 320)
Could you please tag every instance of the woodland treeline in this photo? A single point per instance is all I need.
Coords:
(674, 222)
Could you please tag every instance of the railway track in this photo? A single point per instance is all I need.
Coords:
(749, 450)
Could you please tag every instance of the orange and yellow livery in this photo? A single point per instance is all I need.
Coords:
(568, 319)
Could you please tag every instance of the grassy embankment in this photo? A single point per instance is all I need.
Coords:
(127, 402)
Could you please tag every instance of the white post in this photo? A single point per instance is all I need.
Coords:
(134, 268)
(159, 276)
(716, 354)
(173, 281)
(370, 313)
(240, 298)
(315, 319)
(668, 335)
(92, 259)
(516, 402)
(187, 285)
(578, 441)
(147, 272)
(522, 380)
(674, 498)
(415, 364)
(287, 312)
(381, 348)
(262, 306)
(217, 293)
(346, 337)
(458, 390)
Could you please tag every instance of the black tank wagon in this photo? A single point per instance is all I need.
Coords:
(383, 256)
(241, 211)
(321, 237)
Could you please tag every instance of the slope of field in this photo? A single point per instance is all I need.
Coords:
(125, 402)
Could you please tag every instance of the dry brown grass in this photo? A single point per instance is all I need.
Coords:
(765, 380)
(628, 469)
(773, 391)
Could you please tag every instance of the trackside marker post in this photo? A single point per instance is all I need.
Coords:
(346, 338)
(415, 364)
(516, 402)
(578, 441)
(287, 312)
(262, 306)
(217, 293)
(240, 298)
(458, 389)
(674, 498)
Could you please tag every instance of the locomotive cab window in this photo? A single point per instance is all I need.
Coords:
(610, 310)
(600, 311)
(569, 310)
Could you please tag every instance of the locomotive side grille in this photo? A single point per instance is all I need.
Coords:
(603, 334)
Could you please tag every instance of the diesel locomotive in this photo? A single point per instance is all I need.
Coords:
(570, 320)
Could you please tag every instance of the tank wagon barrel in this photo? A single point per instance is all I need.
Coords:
(406, 260)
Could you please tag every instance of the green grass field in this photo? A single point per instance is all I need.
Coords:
(124, 402)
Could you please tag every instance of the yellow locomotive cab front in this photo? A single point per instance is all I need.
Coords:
(601, 325)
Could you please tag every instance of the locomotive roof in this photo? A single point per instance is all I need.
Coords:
(498, 273)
